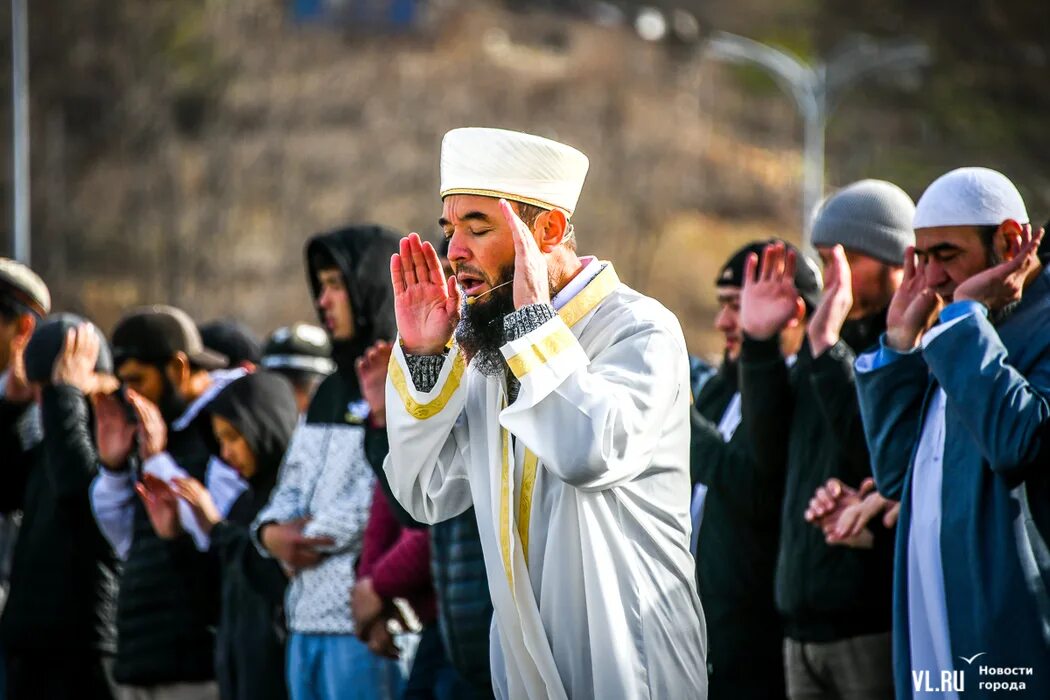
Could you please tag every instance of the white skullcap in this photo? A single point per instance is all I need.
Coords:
(970, 197)
(512, 165)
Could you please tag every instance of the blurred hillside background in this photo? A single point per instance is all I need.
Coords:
(183, 150)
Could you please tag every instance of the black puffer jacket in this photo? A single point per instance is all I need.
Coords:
(64, 574)
(169, 591)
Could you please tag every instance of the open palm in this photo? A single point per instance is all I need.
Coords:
(425, 304)
(769, 299)
(913, 306)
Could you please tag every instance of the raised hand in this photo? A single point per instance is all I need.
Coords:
(114, 433)
(826, 325)
(75, 364)
(769, 299)
(161, 505)
(913, 308)
(371, 375)
(1002, 284)
(531, 283)
(152, 431)
(425, 304)
(199, 500)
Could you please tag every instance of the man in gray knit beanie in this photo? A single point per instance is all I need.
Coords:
(872, 221)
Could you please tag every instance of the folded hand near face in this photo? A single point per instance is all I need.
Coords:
(1001, 285)
(914, 306)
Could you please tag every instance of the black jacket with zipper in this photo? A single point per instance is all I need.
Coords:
(805, 428)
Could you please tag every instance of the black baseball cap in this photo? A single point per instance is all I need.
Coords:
(155, 334)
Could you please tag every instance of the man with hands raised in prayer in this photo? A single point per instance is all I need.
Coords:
(554, 399)
(804, 424)
(956, 413)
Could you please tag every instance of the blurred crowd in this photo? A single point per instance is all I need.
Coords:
(190, 512)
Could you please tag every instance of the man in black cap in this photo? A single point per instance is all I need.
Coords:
(168, 592)
(804, 427)
(303, 354)
(736, 512)
(57, 627)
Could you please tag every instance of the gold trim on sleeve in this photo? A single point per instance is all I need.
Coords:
(422, 411)
(528, 484)
(541, 352)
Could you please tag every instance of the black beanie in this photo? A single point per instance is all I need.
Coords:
(47, 342)
(807, 277)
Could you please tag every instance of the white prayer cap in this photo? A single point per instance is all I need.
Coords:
(512, 165)
(970, 197)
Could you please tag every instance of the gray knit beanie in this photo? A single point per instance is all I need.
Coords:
(870, 217)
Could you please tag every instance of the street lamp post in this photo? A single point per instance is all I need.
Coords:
(20, 130)
(815, 90)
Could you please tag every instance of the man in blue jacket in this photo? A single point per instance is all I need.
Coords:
(956, 416)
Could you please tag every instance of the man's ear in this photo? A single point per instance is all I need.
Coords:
(800, 313)
(178, 370)
(26, 325)
(1008, 239)
(550, 229)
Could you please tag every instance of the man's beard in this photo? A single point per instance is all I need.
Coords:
(480, 332)
(171, 404)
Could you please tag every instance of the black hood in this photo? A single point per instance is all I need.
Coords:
(362, 253)
(261, 406)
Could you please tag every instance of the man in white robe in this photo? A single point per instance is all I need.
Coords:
(564, 422)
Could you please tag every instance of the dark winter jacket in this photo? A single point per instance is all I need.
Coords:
(64, 574)
(169, 593)
(736, 552)
(804, 425)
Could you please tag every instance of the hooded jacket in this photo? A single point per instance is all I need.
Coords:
(250, 637)
(327, 475)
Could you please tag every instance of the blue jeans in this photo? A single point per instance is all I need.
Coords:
(339, 667)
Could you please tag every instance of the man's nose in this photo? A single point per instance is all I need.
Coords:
(457, 250)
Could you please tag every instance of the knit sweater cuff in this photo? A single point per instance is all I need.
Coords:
(526, 319)
(425, 370)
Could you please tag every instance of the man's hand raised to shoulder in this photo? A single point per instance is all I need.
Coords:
(769, 299)
(425, 304)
